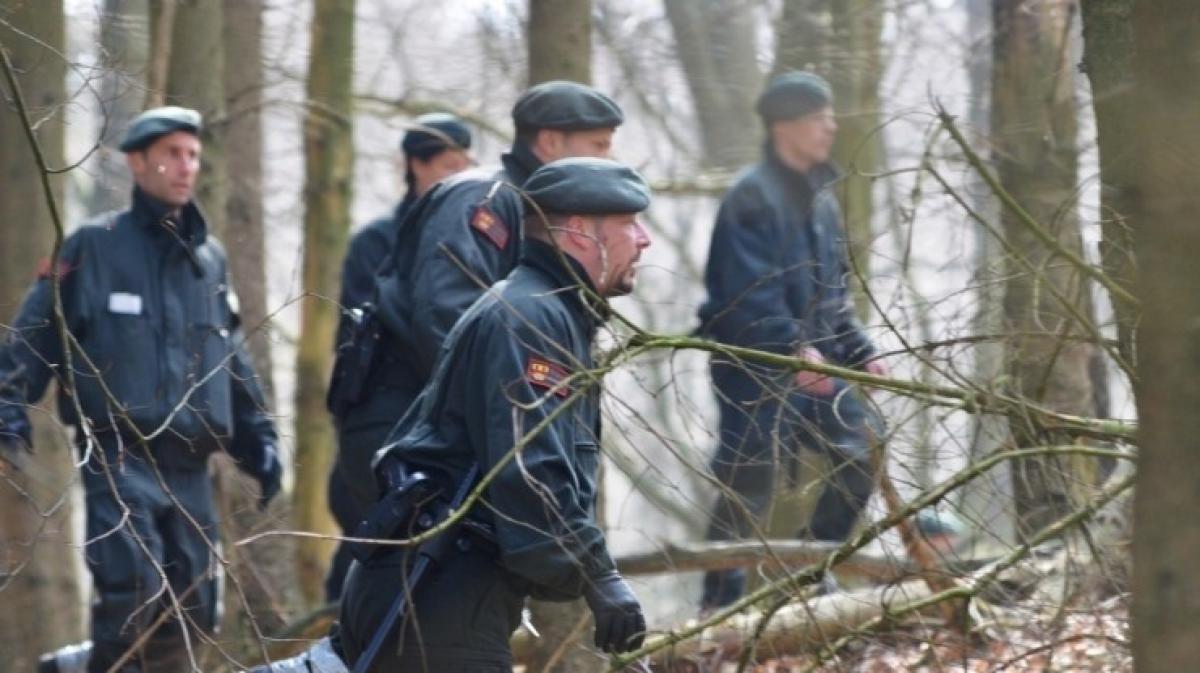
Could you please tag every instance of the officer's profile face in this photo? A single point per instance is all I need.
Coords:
(167, 169)
(806, 141)
(428, 172)
(618, 241)
(552, 144)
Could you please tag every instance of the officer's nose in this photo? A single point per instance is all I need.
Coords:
(643, 235)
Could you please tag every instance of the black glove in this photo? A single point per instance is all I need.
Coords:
(620, 625)
(15, 435)
(269, 474)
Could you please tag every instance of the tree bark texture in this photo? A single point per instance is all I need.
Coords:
(124, 40)
(39, 569)
(841, 41)
(329, 166)
(1033, 127)
(855, 69)
(1108, 62)
(1165, 198)
(194, 79)
(266, 569)
(560, 40)
(716, 46)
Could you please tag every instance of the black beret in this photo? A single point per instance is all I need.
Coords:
(433, 133)
(565, 106)
(794, 94)
(588, 186)
(157, 122)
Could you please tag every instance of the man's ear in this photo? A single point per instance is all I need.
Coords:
(136, 161)
(547, 144)
(577, 232)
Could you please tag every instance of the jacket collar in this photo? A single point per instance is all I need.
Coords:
(189, 225)
(567, 274)
(520, 163)
(815, 179)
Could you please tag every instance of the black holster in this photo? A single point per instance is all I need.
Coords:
(354, 359)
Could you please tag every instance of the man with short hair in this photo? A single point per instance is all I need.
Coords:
(160, 381)
(513, 390)
(458, 239)
(776, 281)
(434, 148)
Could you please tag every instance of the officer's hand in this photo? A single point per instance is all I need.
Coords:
(16, 441)
(620, 625)
(269, 475)
(812, 382)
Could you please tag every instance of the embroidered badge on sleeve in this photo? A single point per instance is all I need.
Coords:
(546, 374)
(487, 223)
(43, 268)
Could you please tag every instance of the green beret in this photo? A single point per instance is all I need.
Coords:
(588, 186)
(565, 106)
(157, 122)
(433, 133)
(794, 94)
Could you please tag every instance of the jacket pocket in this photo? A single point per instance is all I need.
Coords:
(208, 380)
(123, 350)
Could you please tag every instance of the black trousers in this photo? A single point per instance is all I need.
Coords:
(764, 425)
(145, 523)
(352, 491)
(464, 614)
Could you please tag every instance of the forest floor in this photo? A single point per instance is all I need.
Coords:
(1095, 640)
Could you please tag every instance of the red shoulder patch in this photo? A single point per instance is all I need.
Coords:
(487, 223)
(43, 268)
(547, 374)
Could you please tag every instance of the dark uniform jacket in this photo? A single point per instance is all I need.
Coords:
(777, 272)
(366, 252)
(518, 342)
(149, 304)
(459, 238)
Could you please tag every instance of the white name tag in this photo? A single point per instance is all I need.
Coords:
(125, 303)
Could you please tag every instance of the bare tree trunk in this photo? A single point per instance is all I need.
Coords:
(267, 568)
(715, 43)
(329, 166)
(158, 64)
(39, 570)
(560, 40)
(244, 235)
(1033, 131)
(1108, 60)
(855, 69)
(802, 36)
(987, 501)
(124, 33)
(1164, 197)
(194, 79)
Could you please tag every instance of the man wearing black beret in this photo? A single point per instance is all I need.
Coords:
(161, 381)
(514, 376)
(460, 237)
(776, 281)
(434, 148)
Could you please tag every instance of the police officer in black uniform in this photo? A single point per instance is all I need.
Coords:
(517, 358)
(776, 281)
(156, 355)
(458, 239)
(435, 148)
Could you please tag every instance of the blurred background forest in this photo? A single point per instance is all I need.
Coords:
(998, 194)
